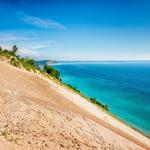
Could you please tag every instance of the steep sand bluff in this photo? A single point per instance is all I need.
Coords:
(35, 114)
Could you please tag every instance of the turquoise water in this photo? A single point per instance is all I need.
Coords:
(123, 86)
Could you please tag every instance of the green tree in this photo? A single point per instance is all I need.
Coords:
(1, 49)
(52, 71)
(14, 49)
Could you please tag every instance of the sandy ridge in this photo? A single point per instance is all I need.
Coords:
(37, 113)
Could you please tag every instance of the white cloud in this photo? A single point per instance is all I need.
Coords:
(18, 38)
(43, 44)
(39, 46)
(43, 23)
(13, 37)
(29, 53)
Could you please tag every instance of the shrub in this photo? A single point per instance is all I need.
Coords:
(106, 107)
(74, 88)
(15, 62)
(94, 101)
(28, 64)
(52, 71)
(7, 53)
(13, 59)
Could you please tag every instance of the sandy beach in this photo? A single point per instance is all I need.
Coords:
(38, 113)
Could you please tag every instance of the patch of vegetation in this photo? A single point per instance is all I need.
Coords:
(73, 88)
(17, 61)
(52, 71)
(29, 64)
(7, 53)
(94, 101)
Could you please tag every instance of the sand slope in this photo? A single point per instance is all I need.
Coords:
(37, 114)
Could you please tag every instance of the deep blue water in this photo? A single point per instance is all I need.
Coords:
(123, 86)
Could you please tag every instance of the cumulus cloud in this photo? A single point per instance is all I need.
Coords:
(43, 23)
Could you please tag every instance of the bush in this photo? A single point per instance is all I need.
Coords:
(106, 107)
(13, 59)
(52, 71)
(7, 53)
(28, 64)
(15, 62)
(73, 87)
(94, 101)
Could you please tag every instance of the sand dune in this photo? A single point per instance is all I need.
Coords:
(36, 113)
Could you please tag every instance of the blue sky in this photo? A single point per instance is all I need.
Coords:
(77, 29)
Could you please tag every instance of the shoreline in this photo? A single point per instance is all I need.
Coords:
(74, 103)
(102, 117)
(108, 112)
(136, 125)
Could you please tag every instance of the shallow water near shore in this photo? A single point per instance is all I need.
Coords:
(123, 86)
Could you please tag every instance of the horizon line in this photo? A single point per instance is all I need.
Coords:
(91, 60)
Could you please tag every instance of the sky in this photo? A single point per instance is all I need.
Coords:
(77, 29)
